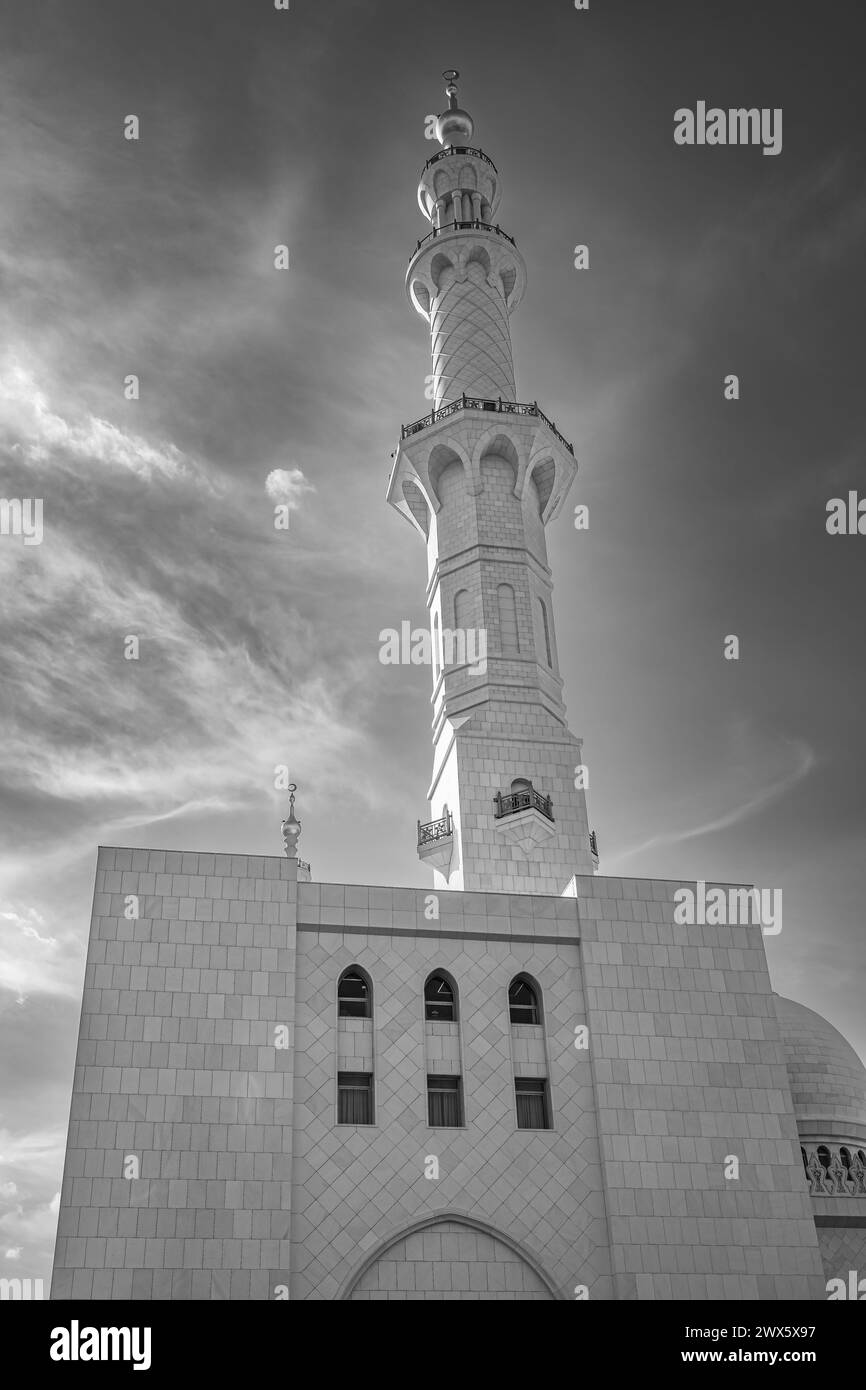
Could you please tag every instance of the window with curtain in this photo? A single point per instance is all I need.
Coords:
(509, 643)
(523, 1002)
(546, 630)
(444, 1102)
(532, 1108)
(354, 1098)
(353, 996)
(440, 1005)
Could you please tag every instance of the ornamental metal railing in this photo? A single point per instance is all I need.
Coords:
(526, 800)
(475, 224)
(460, 149)
(435, 830)
(593, 845)
(465, 402)
(302, 864)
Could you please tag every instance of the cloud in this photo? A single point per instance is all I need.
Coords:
(287, 485)
(38, 436)
(804, 761)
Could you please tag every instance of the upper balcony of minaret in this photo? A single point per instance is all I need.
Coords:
(468, 431)
(459, 184)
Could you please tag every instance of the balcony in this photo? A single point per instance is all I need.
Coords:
(522, 801)
(474, 226)
(523, 817)
(460, 149)
(435, 830)
(500, 406)
(436, 842)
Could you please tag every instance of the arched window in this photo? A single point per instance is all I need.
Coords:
(523, 1002)
(804, 1158)
(528, 1056)
(546, 631)
(462, 610)
(845, 1156)
(440, 1000)
(354, 995)
(508, 636)
(823, 1156)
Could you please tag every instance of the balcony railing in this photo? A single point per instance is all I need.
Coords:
(593, 846)
(465, 402)
(475, 225)
(302, 864)
(435, 830)
(527, 800)
(460, 149)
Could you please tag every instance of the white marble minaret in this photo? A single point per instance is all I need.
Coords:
(480, 478)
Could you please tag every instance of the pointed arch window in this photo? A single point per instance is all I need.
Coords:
(440, 1000)
(354, 995)
(523, 1002)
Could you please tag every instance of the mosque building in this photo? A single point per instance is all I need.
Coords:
(527, 1080)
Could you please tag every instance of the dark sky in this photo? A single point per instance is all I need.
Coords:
(258, 648)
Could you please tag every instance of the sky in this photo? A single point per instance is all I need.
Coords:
(259, 648)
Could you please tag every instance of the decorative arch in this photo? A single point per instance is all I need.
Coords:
(524, 998)
(438, 267)
(451, 1003)
(441, 457)
(355, 992)
(439, 1218)
(417, 504)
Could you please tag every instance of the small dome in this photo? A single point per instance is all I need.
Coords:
(455, 127)
(828, 1079)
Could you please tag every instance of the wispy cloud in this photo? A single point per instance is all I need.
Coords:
(803, 760)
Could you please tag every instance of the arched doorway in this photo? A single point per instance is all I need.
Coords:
(449, 1259)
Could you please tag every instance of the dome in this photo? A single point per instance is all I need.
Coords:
(828, 1080)
(455, 127)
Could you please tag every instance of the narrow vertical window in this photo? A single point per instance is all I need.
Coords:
(523, 1003)
(440, 1005)
(546, 631)
(532, 1107)
(354, 1098)
(462, 610)
(529, 1055)
(353, 996)
(436, 646)
(444, 1102)
(508, 636)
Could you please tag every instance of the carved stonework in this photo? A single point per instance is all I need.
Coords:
(835, 1170)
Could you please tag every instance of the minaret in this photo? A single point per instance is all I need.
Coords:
(480, 477)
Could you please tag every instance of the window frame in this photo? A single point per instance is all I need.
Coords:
(446, 1083)
(355, 972)
(534, 1086)
(368, 1090)
(445, 979)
